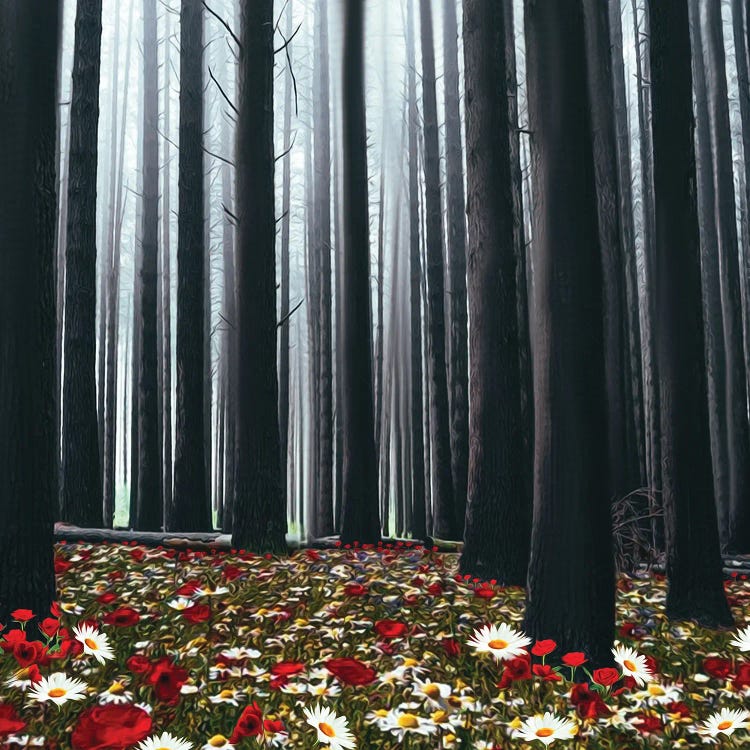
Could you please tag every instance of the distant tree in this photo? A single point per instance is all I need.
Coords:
(571, 591)
(29, 37)
(359, 514)
(498, 512)
(692, 543)
(259, 520)
(81, 497)
(190, 506)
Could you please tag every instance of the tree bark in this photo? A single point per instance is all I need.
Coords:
(81, 497)
(571, 594)
(692, 542)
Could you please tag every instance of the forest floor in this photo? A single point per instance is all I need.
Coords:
(231, 650)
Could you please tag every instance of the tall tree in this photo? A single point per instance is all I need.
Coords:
(29, 37)
(259, 521)
(456, 255)
(498, 513)
(149, 510)
(446, 526)
(692, 543)
(571, 593)
(359, 513)
(81, 497)
(190, 507)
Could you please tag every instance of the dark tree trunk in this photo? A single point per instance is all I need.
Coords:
(738, 439)
(149, 510)
(190, 507)
(322, 159)
(359, 513)
(571, 594)
(338, 434)
(29, 37)
(81, 497)
(379, 328)
(419, 519)
(692, 541)
(456, 254)
(259, 512)
(498, 515)
(443, 506)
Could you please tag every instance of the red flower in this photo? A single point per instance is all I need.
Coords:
(351, 671)
(112, 726)
(188, 588)
(717, 667)
(355, 589)
(628, 683)
(62, 566)
(27, 653)
(49, 626)
(231, 572)
(138, 553)
(12, 637)
(542, 648)
(107, 597)
(250, 724)
(55, 609)
(197, 613)
(515, 669)
(273, 726)
(390, 628)
(546, 672)
(167, 680)
(22, 615)
(742, 679)
(606, 676)
(678, 707)
(451, 646)
(588, 703)
(652, 664)
(10, 721)
(574, 658)
(123, 618)
(287, 668)
(435, 589)
(484, 593)
(647, 724)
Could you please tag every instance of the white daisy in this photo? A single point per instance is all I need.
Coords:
(218, 742)
(434, 693)
(323, 689)
(403, 720)
(208, 591)
(165, 741)
(332, 730)
(21, 679)
(94, 643)
(502, 641)
(742, 641)
(234, 654)
(547, 728)
(180, 603)
(116, 693)
(725, 721)
(226, 696)
(632, 664)
(58, 688)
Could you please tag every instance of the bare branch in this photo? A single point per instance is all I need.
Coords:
(223, 23)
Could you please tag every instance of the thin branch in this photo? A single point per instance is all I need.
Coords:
(223, 23)
(285, 319)
(223, 93)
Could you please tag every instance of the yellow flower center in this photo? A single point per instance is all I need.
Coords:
(724, 725)
(226, 694)
(544, 732)
(57, 693)
(498, 644)
(629, 665)
(117, 689)
(656, 690)
(408, 721)
(218, 740)
(439, 717)
(327, 729)
(91, 644)
(431, 691)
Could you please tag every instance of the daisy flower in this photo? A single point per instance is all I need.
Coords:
(725, 721)
(632, 664)
(180, 603)
(403, 721)
(218, 742)
(332, 730)
(116, 693)
(165, 741)
(94, 643)
(502, 641)
(547, 728)
(742, 641)
(59, 689)
(226, 696)
(435, 693)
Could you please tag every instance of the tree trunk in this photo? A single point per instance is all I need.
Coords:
(149, 516)
(29, 37)
(446, 526)
(259, 512)
(81, 498)
(359, 513)
(571, 593)
(692, 542)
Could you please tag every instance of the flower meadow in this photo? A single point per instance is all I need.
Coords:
(159, 649)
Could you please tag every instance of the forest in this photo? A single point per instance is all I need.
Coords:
(374, 374)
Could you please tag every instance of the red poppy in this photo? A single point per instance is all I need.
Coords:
(647, 724)
(678, 707)
(588, 703)
(390, 628)
(250, 724)
(627, 630)
(10, 721)
(451, 646)
(12, 637)
(188, 588)
(22, 615)
(287, 668)
(435, 589)
(231, 572)
(542, 648)
(62, 566)
(717, 667)
(107, 597)
(606, 676)
(49, 626)
(167, 680)
(485, 593)
(197, 613)
(574, 658)
(112, 726)
(26, 653)
(515, 669)
(546, 672)
(55, 609)
(628, 683)
(273, 726)
(742, 678)
(123, 618)
(138, 553)
(351, 671)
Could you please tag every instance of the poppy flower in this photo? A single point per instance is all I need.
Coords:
(27, 653)
(351, 671)
(196, 613)
(287, 668)
(123, 617)
(516, 669)
(588, 703)
(250, 724)
(12, 637)
(49, 626)
(107, 597)
(167, 680)
(111, 726)
(717, 667)
(606, 676)
(390, 628)
(451, 646)
(742, 678)
(22, 615)
(542, 648)
(485, 593)
(647, 724)
(355, 589)
(546, 672)
(574, 659)
(10, 721)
